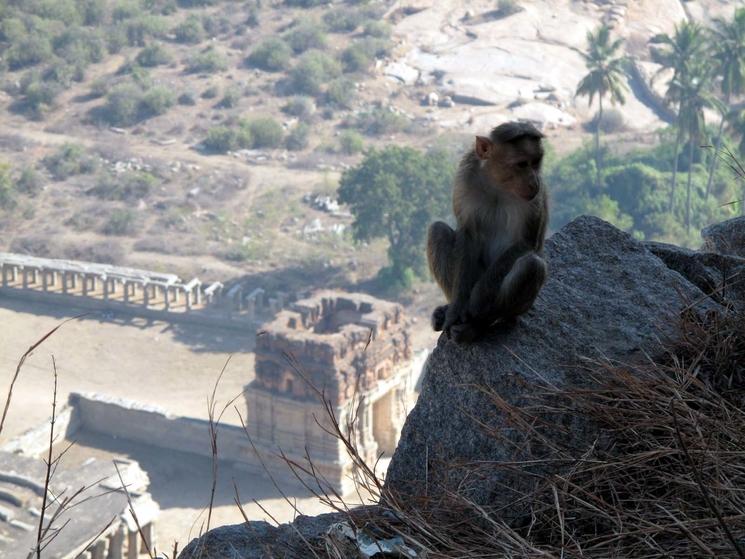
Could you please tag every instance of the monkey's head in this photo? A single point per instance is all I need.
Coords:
(511, 157)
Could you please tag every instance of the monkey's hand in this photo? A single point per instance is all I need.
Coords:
(454, 315)
(438, 317)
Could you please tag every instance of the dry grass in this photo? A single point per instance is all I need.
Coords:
(662, 475)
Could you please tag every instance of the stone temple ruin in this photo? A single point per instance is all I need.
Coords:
(353, 348)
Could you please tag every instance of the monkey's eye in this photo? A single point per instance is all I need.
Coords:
(522, 164)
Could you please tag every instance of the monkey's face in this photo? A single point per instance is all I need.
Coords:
(513, 167)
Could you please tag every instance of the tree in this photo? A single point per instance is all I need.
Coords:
(729, 59)
(396, 193)
(680, 53)
(605, 77)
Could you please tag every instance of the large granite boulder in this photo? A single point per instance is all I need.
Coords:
(607, 297)
(727, 237)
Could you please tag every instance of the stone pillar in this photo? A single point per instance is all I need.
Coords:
(98, 549)
(14, 273)
(187, 298)
(93, 283)
(24, 273)
(105, 285)
(85, 285)
(5, 275)
(64, 282)
(145, 295)
(175, 293)
(33, 275)
(148, 537)
(116, 544)
(251, 308)
(167, 297)
(112, 286)
(132, 551)
(74, 280)
(44, 280)
(198, 295)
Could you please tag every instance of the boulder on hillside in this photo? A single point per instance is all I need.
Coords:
(727, 237)
(607, 297)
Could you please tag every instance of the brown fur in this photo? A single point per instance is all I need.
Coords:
(491, 266)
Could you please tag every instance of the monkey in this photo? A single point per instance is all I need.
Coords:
(491, 267)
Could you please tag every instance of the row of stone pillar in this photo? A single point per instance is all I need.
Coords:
(114, 546)
(89, 283)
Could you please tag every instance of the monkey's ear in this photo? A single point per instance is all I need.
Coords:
(483, 147)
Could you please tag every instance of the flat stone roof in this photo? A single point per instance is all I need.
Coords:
(110, 271)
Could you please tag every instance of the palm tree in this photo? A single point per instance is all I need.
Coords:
(605, 77)
(729, 57)
(693, 96)
(680, 53)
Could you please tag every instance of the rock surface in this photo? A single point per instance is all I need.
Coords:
(607, 296)
(260, 540)
(727, 237)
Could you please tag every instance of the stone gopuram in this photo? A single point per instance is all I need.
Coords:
(356, 350)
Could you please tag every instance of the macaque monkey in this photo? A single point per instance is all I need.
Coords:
(491, 266)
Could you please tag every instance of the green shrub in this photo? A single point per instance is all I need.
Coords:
(29, 51)
(93, 12)
(189, 31)
(306, 36)
(153, 55)
(197, 3)
(156, 101)
(122, 105)
(231, 97)
(312, 71)
(354, 58)
(37, 96)
(343, 20)
(211, 92)
(265, 132)
(214, 25)
(381, 121)
(69, 160)
(220, 139)
(208, 61)
(12, 29)
(81, 46)
(350, 142)
(120, 222)
(305, 3)
(187, 99)
(297, 139)
(29, 182)
(341, 93)
(377, 29)
(100, 87)
(143, 28)
(125, 9)
(301, 107)
(7, 188)
(130, 185)
(272, 55)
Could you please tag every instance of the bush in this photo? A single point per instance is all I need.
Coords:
(272, 55)
(29, 51)
(69, 160)
(305, 3)
(156, 101)
(612, 122)
(189, 31)
(131, 185)
(341, 93)
(382, 120)
(120, 222)
(138, 31)
(93, 12)
(208, 61)
(80, 46)
(7, 188)
(306, 36)
(343, 20)
(231, 97)
(30, 182)
(211, 92)
(350, 142)
(301, 107)
(297, 139)
(122, 105)
(265, 132)
(38, 96)
(153, 55)
(354, 58)
(125, 9)
(214, 25)
(377, 29)
(313, 70)
(220, 139)
(187, 99)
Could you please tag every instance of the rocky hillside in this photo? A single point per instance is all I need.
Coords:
(609, 300)
(198, 135)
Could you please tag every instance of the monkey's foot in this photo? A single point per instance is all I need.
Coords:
(438, 318)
